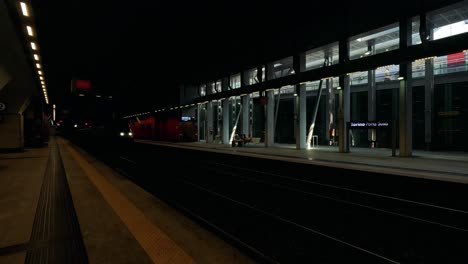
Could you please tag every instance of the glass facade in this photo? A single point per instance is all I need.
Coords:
(450, 63)
(415, 36)
(387, 73)
(315, 58)
(284, 115)
(373, 90)
(219, 86)
(202, 90)
(258, 117)
(280, 68)
(448, 21)
(211, 88)
(235, 81)
(250, 76)
(374, 42)
(358, 77)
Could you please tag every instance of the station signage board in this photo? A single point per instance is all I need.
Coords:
(368, 124)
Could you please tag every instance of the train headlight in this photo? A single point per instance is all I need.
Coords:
(122, 134)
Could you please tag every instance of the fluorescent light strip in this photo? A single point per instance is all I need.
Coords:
(24, 9)
(30, 31)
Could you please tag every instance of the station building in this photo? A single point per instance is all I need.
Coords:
(411, 76)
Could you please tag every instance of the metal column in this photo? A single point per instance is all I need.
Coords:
(330, 118)
(226, 121)
(270, 119)
(198, 122)
(209, 122)
(246, 115)
(301, 113)
(428, 94)
(428, 102)
(371, 97)
(344, 113)
(405, 100)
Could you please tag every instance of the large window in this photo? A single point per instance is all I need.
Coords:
(387, 73)
(280, 68)
(357, 78)
(415, 37)
(455, 62)
(315, 58)
(251, 76)
(235, 81)
(211, 88)
(219, 87)
(449, 21)
(374, 42)
(202, 90)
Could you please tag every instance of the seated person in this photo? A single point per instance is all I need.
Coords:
(246, 139)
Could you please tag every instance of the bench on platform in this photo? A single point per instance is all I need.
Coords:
(255, 140)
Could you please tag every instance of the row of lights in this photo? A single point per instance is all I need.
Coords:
(161, 110)
(32, 36)
(97, 95)
(271, 89)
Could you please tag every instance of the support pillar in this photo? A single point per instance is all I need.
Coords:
(371, 98)
(330, 118)
(428, 96)
(246, 115)
(270, 119)
(300, 116)
(344, 105)
(225, 129)
(198, 122)
(209, 122)
(428, 102)
(344, 114)
(405, 100)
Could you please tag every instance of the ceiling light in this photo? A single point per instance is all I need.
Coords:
(401, 78)
(38, 65)
(33, 46)
(97, 95)
(30, 31)
(367, 53)
(24, 9)
(36, 57)
(80, 94)
(359, 39)
(39, 72)
(41, 78)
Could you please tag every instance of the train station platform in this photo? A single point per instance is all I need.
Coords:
(60, 205)
(442, 166)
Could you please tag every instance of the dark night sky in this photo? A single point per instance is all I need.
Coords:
(143, 49)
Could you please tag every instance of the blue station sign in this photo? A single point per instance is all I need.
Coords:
(368, 124)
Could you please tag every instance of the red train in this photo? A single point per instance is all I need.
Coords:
(164, 128)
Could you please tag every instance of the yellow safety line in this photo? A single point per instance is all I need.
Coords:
(159, 247)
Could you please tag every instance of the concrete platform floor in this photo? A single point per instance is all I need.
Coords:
(21, 176)
(107, 234)
(443, 166)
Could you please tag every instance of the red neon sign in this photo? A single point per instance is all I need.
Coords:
(83, 84)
